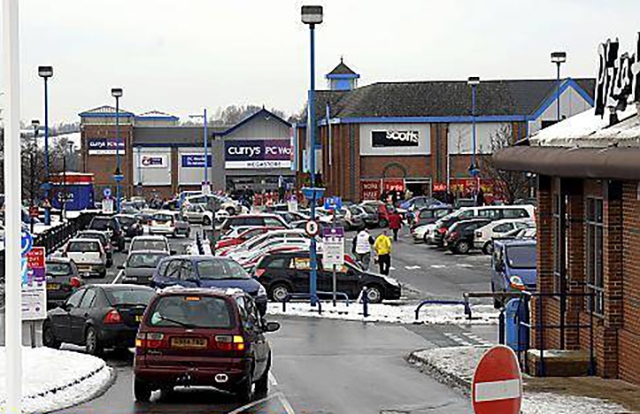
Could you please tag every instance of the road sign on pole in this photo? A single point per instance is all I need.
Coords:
(333, 244)
(106, 192)
(34, 286)
(312, 228)
(332, 203)
(497, 383)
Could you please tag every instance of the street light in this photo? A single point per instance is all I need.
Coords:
(474, 81)
(206, 189)
(45, 72)
(118, 176)
(558, 58)
(32, 159)
(312, 15)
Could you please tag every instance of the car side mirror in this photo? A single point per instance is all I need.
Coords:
(271, 326)
(172, 252)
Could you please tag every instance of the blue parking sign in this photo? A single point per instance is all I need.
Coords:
(332, 203)
(106, 192)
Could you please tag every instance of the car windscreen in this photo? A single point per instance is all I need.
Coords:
(191, 312)
(148, 245)
(220, 269)
(522, 257)
(83, 247)
(127, 221)
(130, 296)
(162, 217)
(100, 223)
(91, 235)
(58, 269)
(145, 260)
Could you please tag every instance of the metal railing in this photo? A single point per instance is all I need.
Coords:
(467, 306)
(290, 296)
(503, 298)
(55, 237)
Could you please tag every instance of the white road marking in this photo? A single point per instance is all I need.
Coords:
(272, 379)
(278, 395)
(463, 265)
(438, 266)
(118, 277)
(497, 390)
(455, 338)
(285, 404)
(392, 268)
(412, 267)
(476, 338)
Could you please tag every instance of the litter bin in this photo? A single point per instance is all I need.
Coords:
(511, 310)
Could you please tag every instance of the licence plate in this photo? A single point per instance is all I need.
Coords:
(53, 286)
(193, 343)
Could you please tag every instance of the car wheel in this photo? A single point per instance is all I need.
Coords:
(206, 221)
(463, 247)
(488, 248)
(231, 211)
(244, 390)
(374, 294)
(141, 390)
(262, 385)
(280, 292)
(384, 222)
(48, 338)
(103, 273)
(425, 238)
(92, 342)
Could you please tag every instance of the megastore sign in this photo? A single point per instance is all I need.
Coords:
(258, 154)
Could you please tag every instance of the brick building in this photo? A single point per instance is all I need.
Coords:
(418, 135)
(588, 238)
(161, 157)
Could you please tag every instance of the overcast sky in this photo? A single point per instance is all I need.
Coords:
(182, 55)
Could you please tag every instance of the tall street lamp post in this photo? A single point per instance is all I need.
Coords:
(45, 72)
(474, 81)
(312, 15)
(118, 176)
(32, 159)
(558, 58)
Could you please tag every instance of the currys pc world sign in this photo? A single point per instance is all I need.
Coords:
(258, 154)
(105, 146)
(618, 80)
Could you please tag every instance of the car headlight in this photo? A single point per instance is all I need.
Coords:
(262, 291)
(391, 281)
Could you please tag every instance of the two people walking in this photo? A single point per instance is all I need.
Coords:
(363, 244)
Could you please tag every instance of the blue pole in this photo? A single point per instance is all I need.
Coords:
(473, 123)
(47, 211)
(206, 170)
(558, 92)
(312, 125)
(118, 172)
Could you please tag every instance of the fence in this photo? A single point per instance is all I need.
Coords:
(55, 237)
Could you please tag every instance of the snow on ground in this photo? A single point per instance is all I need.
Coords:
(429, 314)
(455, 366)
(54, 379)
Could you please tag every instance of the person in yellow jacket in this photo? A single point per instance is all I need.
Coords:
(382, 247)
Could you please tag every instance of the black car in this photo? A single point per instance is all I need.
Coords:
(110, 225)
(103, 238)
(459, 238)
(98, 317)
(140, 265)
(285, 273)
(130, 224)
(62, 280)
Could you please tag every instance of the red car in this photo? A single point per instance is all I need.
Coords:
(243, 236)
(384, 211)
(202, 337)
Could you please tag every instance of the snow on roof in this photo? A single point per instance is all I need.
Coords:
(592, 131)
(156, 114)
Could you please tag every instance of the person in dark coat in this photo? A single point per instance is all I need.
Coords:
(480, 198)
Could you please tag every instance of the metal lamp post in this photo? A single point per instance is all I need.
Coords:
(206, 187)
(118, 176)
(32, 160)
(474, 81)
(45, 72)
(312, 15)
(558, 58)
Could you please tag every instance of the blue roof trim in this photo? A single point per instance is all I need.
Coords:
(426, 119)
(262, 112)
(553, 95)
(343, 76)
(105, 115)
(157, 118)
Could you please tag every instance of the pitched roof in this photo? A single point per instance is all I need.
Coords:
(157, 114)
(105, 110)
(341, 69)
(173, 135)
(441, 98)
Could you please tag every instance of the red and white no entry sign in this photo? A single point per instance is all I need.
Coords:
(497, 383)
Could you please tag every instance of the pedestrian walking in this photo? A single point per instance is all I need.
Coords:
(382, 247)
(395, 223)
(361, 248)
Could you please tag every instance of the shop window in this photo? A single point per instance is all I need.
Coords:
(595, 254)
(560, 242)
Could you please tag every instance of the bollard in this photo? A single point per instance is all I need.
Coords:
(501, 326)
(365, 302)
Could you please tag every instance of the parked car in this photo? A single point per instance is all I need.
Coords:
(418, 203)
(484, 236)
(250, 260)
(208, 272)
(140, 265)
(222, 333)
(291, 216)
(130, 225)
(258, 220)
(285, 273)
(214, 202)
(112, 227)
(527, 233)
(355, 217)
(145, 216)
(88, 255)
(171, 223)
(197, 213)
(429, 215)
(372, 218)
(62, 280)
(421, 233)
(513, 266)
(146, 243)
(251, 244)
(104, 240)
(235, 239)
(384, 211)
(98, 317)
(459, 238)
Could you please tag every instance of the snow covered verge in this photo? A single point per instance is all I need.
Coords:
(53, 380)
(392, 313)
(455, 366)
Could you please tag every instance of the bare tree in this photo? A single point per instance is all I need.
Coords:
(512, 185)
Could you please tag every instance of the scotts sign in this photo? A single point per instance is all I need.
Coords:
(258, 154)
(618, 79)
(395, 138)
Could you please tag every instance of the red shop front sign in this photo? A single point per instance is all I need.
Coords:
(370, 190)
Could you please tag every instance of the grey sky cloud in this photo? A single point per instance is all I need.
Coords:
(180, 56)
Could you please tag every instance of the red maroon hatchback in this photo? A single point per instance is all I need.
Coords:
(202, 337)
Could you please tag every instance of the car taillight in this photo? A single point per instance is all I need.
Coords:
(260, 272)
(229, 342)
(112, 317)
(149, 340)
(75, 282)
(455, 235)
(442, 230)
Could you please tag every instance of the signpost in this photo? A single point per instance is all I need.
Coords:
(333, 256)
(312, 228)
(34, 285)
(497, 383)
(332, 203)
